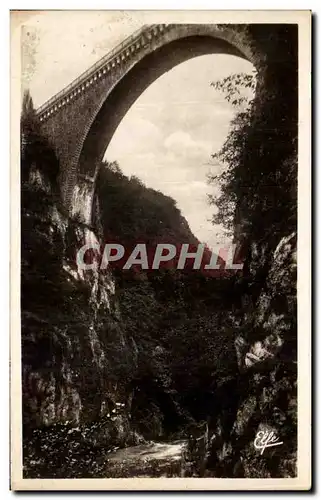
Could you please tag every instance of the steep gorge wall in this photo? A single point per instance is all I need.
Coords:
(76, 359)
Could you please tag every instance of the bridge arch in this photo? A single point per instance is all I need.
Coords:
(83, 126)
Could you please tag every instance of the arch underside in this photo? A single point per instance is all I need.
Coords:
(127, 90)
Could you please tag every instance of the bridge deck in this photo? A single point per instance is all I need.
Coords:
(112, 58)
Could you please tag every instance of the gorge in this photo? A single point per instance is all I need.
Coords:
(140, 360)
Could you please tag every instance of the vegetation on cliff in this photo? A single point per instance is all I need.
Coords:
(258, 202)
(177, 318)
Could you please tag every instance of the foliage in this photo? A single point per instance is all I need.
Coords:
(238, 88)
(29, 121)
(258, 204)
(258, 181)
(36, 152)
(135, 213)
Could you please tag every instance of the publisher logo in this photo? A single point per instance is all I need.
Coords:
(266, 439)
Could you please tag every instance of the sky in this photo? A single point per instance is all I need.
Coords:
(170, 132)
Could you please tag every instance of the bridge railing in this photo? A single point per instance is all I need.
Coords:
(95, 67)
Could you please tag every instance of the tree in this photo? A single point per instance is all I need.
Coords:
(259, 157)
(238, 89)
(36, 151)
(29, 122)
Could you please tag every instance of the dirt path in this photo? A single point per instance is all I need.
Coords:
(148, 460)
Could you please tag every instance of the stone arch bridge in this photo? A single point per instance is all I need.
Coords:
(80, 120)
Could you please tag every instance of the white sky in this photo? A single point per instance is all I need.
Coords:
(168, 135)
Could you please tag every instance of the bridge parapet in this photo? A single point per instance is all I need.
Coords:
(126, 49)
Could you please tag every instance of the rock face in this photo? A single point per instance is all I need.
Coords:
(69, 321)
(267, 382)
(272, 321)
(76, 360)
